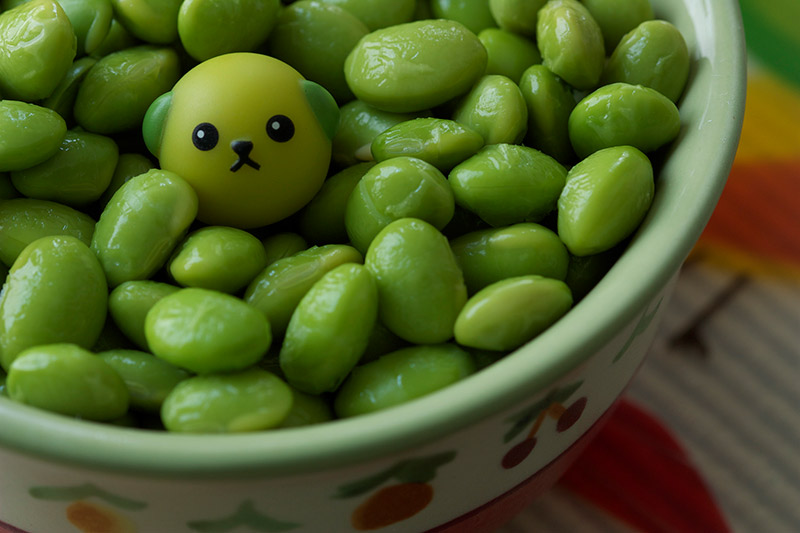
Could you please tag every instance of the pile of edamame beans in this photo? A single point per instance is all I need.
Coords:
(492, 157)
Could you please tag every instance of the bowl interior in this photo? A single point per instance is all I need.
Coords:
(688, 187)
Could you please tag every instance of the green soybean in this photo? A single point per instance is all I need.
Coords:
(359, 124)
(488, 256)
(623, 114)
(322, 220)
(117, 91)
(218, 258)
(55, 292)
(618, 17)
(153, 21)
(517, 16)
(507, 314)
(655, 55)
(117, 38)
(129, 303)
(474, 14)
(549, 101)
(381, 341)
(91, 20)
(62, 99)
(29, 134)
(400, 377)
(420, 286)
(384, 69)
(208, 28)
(76, 175)
(442, 143)
(24, 220)
(509, 54)
(67, 379)
(329, 330)
(605, 199)
(128, 166)
(397, 188)
(252, 400)
(571, 43)
(37, 46)
(277, 291)
(307, 409)
(376, 14)
(284, 244)
(149, 380)
(142, 223)
(495, 109)
(506, 184)
(206, 331)
(315, 38)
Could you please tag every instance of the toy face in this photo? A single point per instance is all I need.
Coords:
(241, 131)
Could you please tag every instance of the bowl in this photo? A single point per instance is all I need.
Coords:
(466, 458)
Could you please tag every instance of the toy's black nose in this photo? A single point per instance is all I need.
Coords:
(243, 149)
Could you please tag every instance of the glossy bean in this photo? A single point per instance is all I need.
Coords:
(517, 16)
(67, 379)
(24, 220)
(549, 101)
(129, 303)
(474, 14)
(618, 17)
(400, 377)
(509, 54)
(252, 400)
(128, 166)
(55, 292)
(495, 109)
(62, 99)
(142, 223)
(91, 20)
(420, 286)
(605, 199)
(281, 245)
(31, 134)
(206, 331)
(506, 184)
(149, 380)
(329, 330)
(376, 14)
(153, 21)
(118, 38)
(507, 314)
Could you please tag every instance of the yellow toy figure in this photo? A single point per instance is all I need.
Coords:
(249, 133)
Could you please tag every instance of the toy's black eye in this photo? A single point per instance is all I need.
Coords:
(205, 136)
(280, 128)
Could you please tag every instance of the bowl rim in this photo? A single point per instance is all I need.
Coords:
(655, 254)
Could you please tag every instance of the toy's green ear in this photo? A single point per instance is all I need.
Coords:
(154, 121)
(323, 105)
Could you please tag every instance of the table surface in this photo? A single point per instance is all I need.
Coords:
(708, 436)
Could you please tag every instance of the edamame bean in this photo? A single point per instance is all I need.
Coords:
(206, 331)
(128, 166)
(359, 124)
(654, 54)
(208, 28)
(141, 225)
(329, 330)
(129, 303)
(571, 43)
(55, 293)
(509, 54)
(506, 184)
(281, 245)
(149, 380)
(307, 409)
(67, 379)
(219, 258)
(24, 220)
(495, 109)
(277, 291)
(251, 400)
(605, 199)
(62, 99)
(442, 143)
(376, 14)
(549, 101)
(381, 341)
(322, 220)
(76, 175)
(91, 20)
(400, 187)
(117, 91)
(37, 46)
(400, 377)
(507, 314)
(420, 286)
(488, 256)
(117, 38)
(153, 21)
(315, 38)
(474, 14)
(618, 17)
(384, 69)
(623, 114)
(517, 16)
(29, 134)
